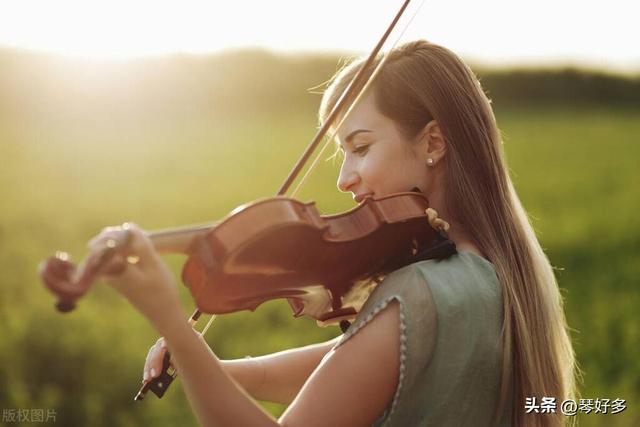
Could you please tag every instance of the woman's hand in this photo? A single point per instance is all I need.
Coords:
(153, 364)
(138, 273)
(155, 358)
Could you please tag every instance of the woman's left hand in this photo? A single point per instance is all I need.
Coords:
(138, 273)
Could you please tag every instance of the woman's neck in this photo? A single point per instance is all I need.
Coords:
(463, 240)
(457, 233)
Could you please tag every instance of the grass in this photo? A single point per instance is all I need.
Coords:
(65, 176)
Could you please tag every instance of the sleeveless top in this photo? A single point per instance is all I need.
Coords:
(450, 342)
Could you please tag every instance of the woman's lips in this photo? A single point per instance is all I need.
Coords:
(360, 197)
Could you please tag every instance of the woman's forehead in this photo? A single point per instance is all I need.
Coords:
(364, 115)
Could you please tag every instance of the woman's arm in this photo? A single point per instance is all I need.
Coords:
(216, 398)
(278, 377)
(352, 386)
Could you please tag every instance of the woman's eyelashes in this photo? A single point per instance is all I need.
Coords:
(361, 149)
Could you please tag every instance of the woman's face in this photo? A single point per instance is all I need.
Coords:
(378, 159)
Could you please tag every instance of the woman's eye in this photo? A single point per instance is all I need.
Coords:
(361, 149)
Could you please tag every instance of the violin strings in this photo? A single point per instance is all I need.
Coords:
(335, 130)
(204, 331)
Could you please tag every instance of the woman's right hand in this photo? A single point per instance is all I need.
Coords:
(153, 364)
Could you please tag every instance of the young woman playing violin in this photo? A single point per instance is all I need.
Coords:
(460, 341)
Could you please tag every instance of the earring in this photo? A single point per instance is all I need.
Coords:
(430, 161)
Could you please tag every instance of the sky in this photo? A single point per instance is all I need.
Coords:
(601, 35)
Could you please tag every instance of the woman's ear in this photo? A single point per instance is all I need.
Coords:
(433, 143)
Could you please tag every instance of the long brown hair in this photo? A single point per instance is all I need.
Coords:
(421, 81)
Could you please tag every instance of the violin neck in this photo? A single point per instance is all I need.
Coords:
(177, 240)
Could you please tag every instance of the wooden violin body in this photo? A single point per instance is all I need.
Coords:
(279, 247)
(324, 265)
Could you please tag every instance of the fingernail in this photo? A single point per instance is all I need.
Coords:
(146, 376)
(153, 372)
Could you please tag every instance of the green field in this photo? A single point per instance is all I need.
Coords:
(66, 173)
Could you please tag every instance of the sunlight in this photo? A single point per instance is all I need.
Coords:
(493, 32)
(123, 29)
(115, 29)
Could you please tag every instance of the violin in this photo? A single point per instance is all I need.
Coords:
(280, 247)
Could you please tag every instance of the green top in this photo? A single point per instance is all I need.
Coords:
(450, 342)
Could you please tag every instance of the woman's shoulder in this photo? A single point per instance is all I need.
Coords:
(465, 275)
(464, 281)
(461, 261)
(464, 268)
(464, 285)
(466, 294)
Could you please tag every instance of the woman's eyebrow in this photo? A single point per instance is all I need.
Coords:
(353, 134)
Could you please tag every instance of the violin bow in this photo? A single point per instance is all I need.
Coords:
(160, 384)
(342, 103)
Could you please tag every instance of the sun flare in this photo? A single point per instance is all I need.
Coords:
(499, 32)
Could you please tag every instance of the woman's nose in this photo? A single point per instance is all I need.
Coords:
(347, 179)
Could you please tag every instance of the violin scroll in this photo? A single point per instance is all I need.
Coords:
(68, 282)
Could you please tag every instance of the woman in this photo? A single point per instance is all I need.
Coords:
(462, 341)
